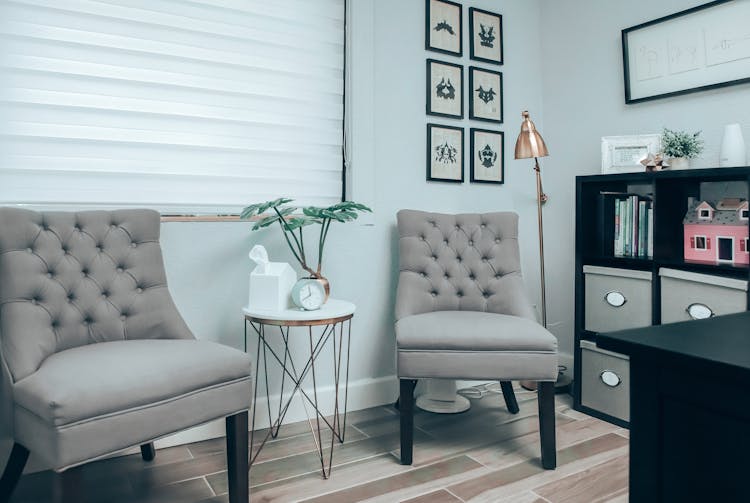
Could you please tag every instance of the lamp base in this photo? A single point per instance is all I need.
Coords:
(441, 398)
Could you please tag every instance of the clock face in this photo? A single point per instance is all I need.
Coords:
(309, 294)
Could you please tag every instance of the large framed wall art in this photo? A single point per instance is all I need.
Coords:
(698, 49)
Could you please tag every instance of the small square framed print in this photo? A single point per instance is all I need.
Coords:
(487, 154)
(445, 83)
(486, 102)
(443, 21)
(445, 153)
(486, 36)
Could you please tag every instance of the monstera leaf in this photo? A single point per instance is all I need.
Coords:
(260, 208)
(290, 220)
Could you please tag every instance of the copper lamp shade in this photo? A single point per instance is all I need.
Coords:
(530, 142)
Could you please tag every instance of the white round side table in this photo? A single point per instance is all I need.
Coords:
(333, 321)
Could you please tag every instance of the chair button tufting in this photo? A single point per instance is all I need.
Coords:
(29, 250)
(460, 294)
(445, 242)
(133, 244)
(139, 290)
(497, 240)
(483, 226)
(447, 277)
(421, 238)
(434, 294)
(34, 301)
(434, 257)
(119, 269)
(422, 274)
(49, 274)
(471, 243)
(113, 226)
(122, 317)
(485, 295)
(471, 276)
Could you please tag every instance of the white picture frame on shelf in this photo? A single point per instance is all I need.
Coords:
(623, 154)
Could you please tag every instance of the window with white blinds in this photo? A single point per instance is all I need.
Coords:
(188, 106)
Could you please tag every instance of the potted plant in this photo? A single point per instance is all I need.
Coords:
(291, 222)
(680, 146)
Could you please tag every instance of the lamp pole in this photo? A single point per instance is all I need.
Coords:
(541, 198)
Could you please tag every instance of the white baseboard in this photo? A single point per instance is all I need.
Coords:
(362, 394)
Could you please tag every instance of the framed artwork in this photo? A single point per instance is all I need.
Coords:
(623, 154)
(486, 88)
(487, 154)
(486, 36)
(442, 31)
(445, 83)
(445, 153)
(698, 49)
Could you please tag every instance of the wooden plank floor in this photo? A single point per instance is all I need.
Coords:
(483, 455)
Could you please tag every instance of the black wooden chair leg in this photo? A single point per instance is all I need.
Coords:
(546, 398)
(68, 486)
(148, 453)
(13, 470)
(237, 458)
(510, 397)
(406, 409)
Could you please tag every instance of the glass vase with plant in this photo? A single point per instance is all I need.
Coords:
(292, 221)
(681, 146)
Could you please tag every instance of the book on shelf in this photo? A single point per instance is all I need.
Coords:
(631, 222)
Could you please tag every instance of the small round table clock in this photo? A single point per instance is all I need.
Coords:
(308, 294)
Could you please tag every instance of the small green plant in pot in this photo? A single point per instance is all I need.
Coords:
(680, 146)
(292, 221)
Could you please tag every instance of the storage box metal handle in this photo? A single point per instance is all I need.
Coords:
(615, 298)
(610, 378)
(698, 311)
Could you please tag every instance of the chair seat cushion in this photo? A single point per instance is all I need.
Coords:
(110, 377)
(474, 345)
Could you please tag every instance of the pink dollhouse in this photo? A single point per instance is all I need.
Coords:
(717, 232)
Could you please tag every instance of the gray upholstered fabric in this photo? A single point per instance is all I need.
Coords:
(69, 279)
(465, 262)
(114, 376)
(461, 310)
(95, 356)
(125, 393)
(474, 345)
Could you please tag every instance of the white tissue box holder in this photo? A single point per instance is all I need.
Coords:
(271, 290)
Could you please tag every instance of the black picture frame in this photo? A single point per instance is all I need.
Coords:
(676, 88)
(476, 110)
(499, 157)
(435, 106)
(431, 149)
(479, 53)
(431, 45)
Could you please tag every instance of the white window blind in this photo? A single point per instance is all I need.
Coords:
(188, 106)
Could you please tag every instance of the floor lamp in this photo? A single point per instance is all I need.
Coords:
(530, 144)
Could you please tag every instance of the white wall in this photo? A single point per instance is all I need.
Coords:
(584, 100)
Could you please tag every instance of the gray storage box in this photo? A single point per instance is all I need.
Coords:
(688, 295)
(605, 381)
(616, 299)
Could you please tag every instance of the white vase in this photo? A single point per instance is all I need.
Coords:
(679, 163)
(733, 151)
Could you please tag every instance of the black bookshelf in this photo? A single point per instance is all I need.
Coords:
(669, 192)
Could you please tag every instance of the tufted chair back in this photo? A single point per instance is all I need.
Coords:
(70, 279)
(468, 262)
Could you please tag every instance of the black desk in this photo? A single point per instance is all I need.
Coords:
(689, 409)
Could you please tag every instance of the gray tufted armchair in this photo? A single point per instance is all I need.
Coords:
(461, 313)
(95, 356)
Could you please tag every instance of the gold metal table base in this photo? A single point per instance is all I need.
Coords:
(332, 329)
